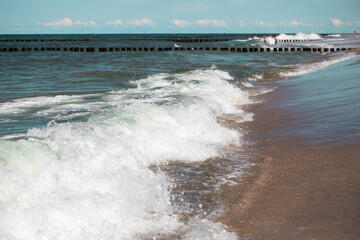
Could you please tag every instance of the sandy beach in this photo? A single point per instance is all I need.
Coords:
(294, 190)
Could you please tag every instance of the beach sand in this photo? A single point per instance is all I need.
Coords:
(294, 190)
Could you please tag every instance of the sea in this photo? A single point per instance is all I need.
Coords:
(137, 145)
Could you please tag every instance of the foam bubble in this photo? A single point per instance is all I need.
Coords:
(306, 68)
(247, 84)
(206, 230)
(246, 40)
(90, 180)
(255, 77)
(299, 36)
(23, 104)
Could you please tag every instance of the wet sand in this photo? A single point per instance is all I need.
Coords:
(294, 190)
(356, 50)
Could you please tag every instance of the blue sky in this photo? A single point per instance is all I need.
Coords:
(183, 16)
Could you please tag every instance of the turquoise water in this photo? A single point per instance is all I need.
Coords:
(136, 145)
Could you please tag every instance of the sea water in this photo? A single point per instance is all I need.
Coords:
(326, 104)
(130, 145)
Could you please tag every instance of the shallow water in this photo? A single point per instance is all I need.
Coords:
(326, 104)
(128, 144)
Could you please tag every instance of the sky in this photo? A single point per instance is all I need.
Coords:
(181, 16)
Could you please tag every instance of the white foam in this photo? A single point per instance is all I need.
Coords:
(23, 104)
(255, 77)
(91, 180)
(292, 38)
(242, 40)
(246, 40)
(206, 230)
(299, 36)
(247, 84)
(303, 69)
(261, 91)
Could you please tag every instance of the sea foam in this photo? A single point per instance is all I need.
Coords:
(306, 68)
(92, 179)
(297, 37)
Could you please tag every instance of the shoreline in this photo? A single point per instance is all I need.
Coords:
(293, 190)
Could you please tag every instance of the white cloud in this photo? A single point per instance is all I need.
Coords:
(66, 22)
(90, 23)
(207, 22)
(142, 22)
(181, 23)
(139, 22)
(62, 22)
(200, 22)
(263, 24)
(117, 22)
(295, 23)
(336, 22)
(353, 24)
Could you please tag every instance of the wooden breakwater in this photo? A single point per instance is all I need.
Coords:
(182, 39)
(11, 40)
(162, 49)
